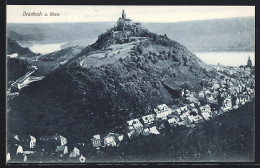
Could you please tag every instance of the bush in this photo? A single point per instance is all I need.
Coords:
(139, 50)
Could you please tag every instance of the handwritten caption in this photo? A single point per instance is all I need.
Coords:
(41, 13)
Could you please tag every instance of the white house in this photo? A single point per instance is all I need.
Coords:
(206, 115)
(173, 121)
(96, 141)
(188, 120)
(214, 114)
(24, 158)
(191, 106)
(19, 149)
(184, 115)
(137, 125)
(227, 103)
(131, 131)
(222, 110)
(32, 142)
(75, 153)
(120, 138)
(197, 119)
(110, 140)
(148, 119)
(184, 108)
(176, 110)
(8, 157)
(153, 130)
(194, 110)
(162, 111)
(201, 94)
(63, 149)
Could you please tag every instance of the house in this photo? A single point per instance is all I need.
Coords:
(25, 158)
(74, 153)
(8, 157)
(222, 110)
(193, 99)
(215, 86)
(184, 108)
(55, 140)
(146, 131)
(23, 144)
(148, 119)
(201, 94)
(176, 110)
(153, 130)
(110, 140)
(162, 111)
(207, 91)
(227, 103)
(137, 125)
(186, 92)
(62, 149)
(193, 119)
(120, 138)
(197, 119)
(188, 120)
(181, 123)
(194, 110)
(19, 150)
(130, 131)
(25, 140)
(184, 115)
(234, 101)
(173, 121)
(96, 141)
(205, 109)
(206, 115)
(213, 113)
(191, 106)
(209, 97)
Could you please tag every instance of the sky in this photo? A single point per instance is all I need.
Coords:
(93, 13)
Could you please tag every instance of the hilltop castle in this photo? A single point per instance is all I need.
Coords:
(123, 21)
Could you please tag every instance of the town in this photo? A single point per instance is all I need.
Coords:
(231, 89)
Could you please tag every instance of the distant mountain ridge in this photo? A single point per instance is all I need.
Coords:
(231, 34)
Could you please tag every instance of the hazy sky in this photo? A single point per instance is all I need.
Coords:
(87, 13)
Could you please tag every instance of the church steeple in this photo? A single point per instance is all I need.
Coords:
(249, 62)
(123, 14)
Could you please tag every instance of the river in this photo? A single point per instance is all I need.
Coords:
(226, 58)
(46, 48)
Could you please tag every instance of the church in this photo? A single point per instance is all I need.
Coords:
(249, 63)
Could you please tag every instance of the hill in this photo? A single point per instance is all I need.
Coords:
(16, 68)
(231, 34)
(225, 138)
(14, 47)
(119, 77)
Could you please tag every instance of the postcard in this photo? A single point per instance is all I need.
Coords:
(130, 84)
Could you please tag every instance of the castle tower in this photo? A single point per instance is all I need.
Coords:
(249, 63)
(123, 14)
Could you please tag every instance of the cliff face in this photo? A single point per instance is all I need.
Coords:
(119, 77)
(14, 47)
